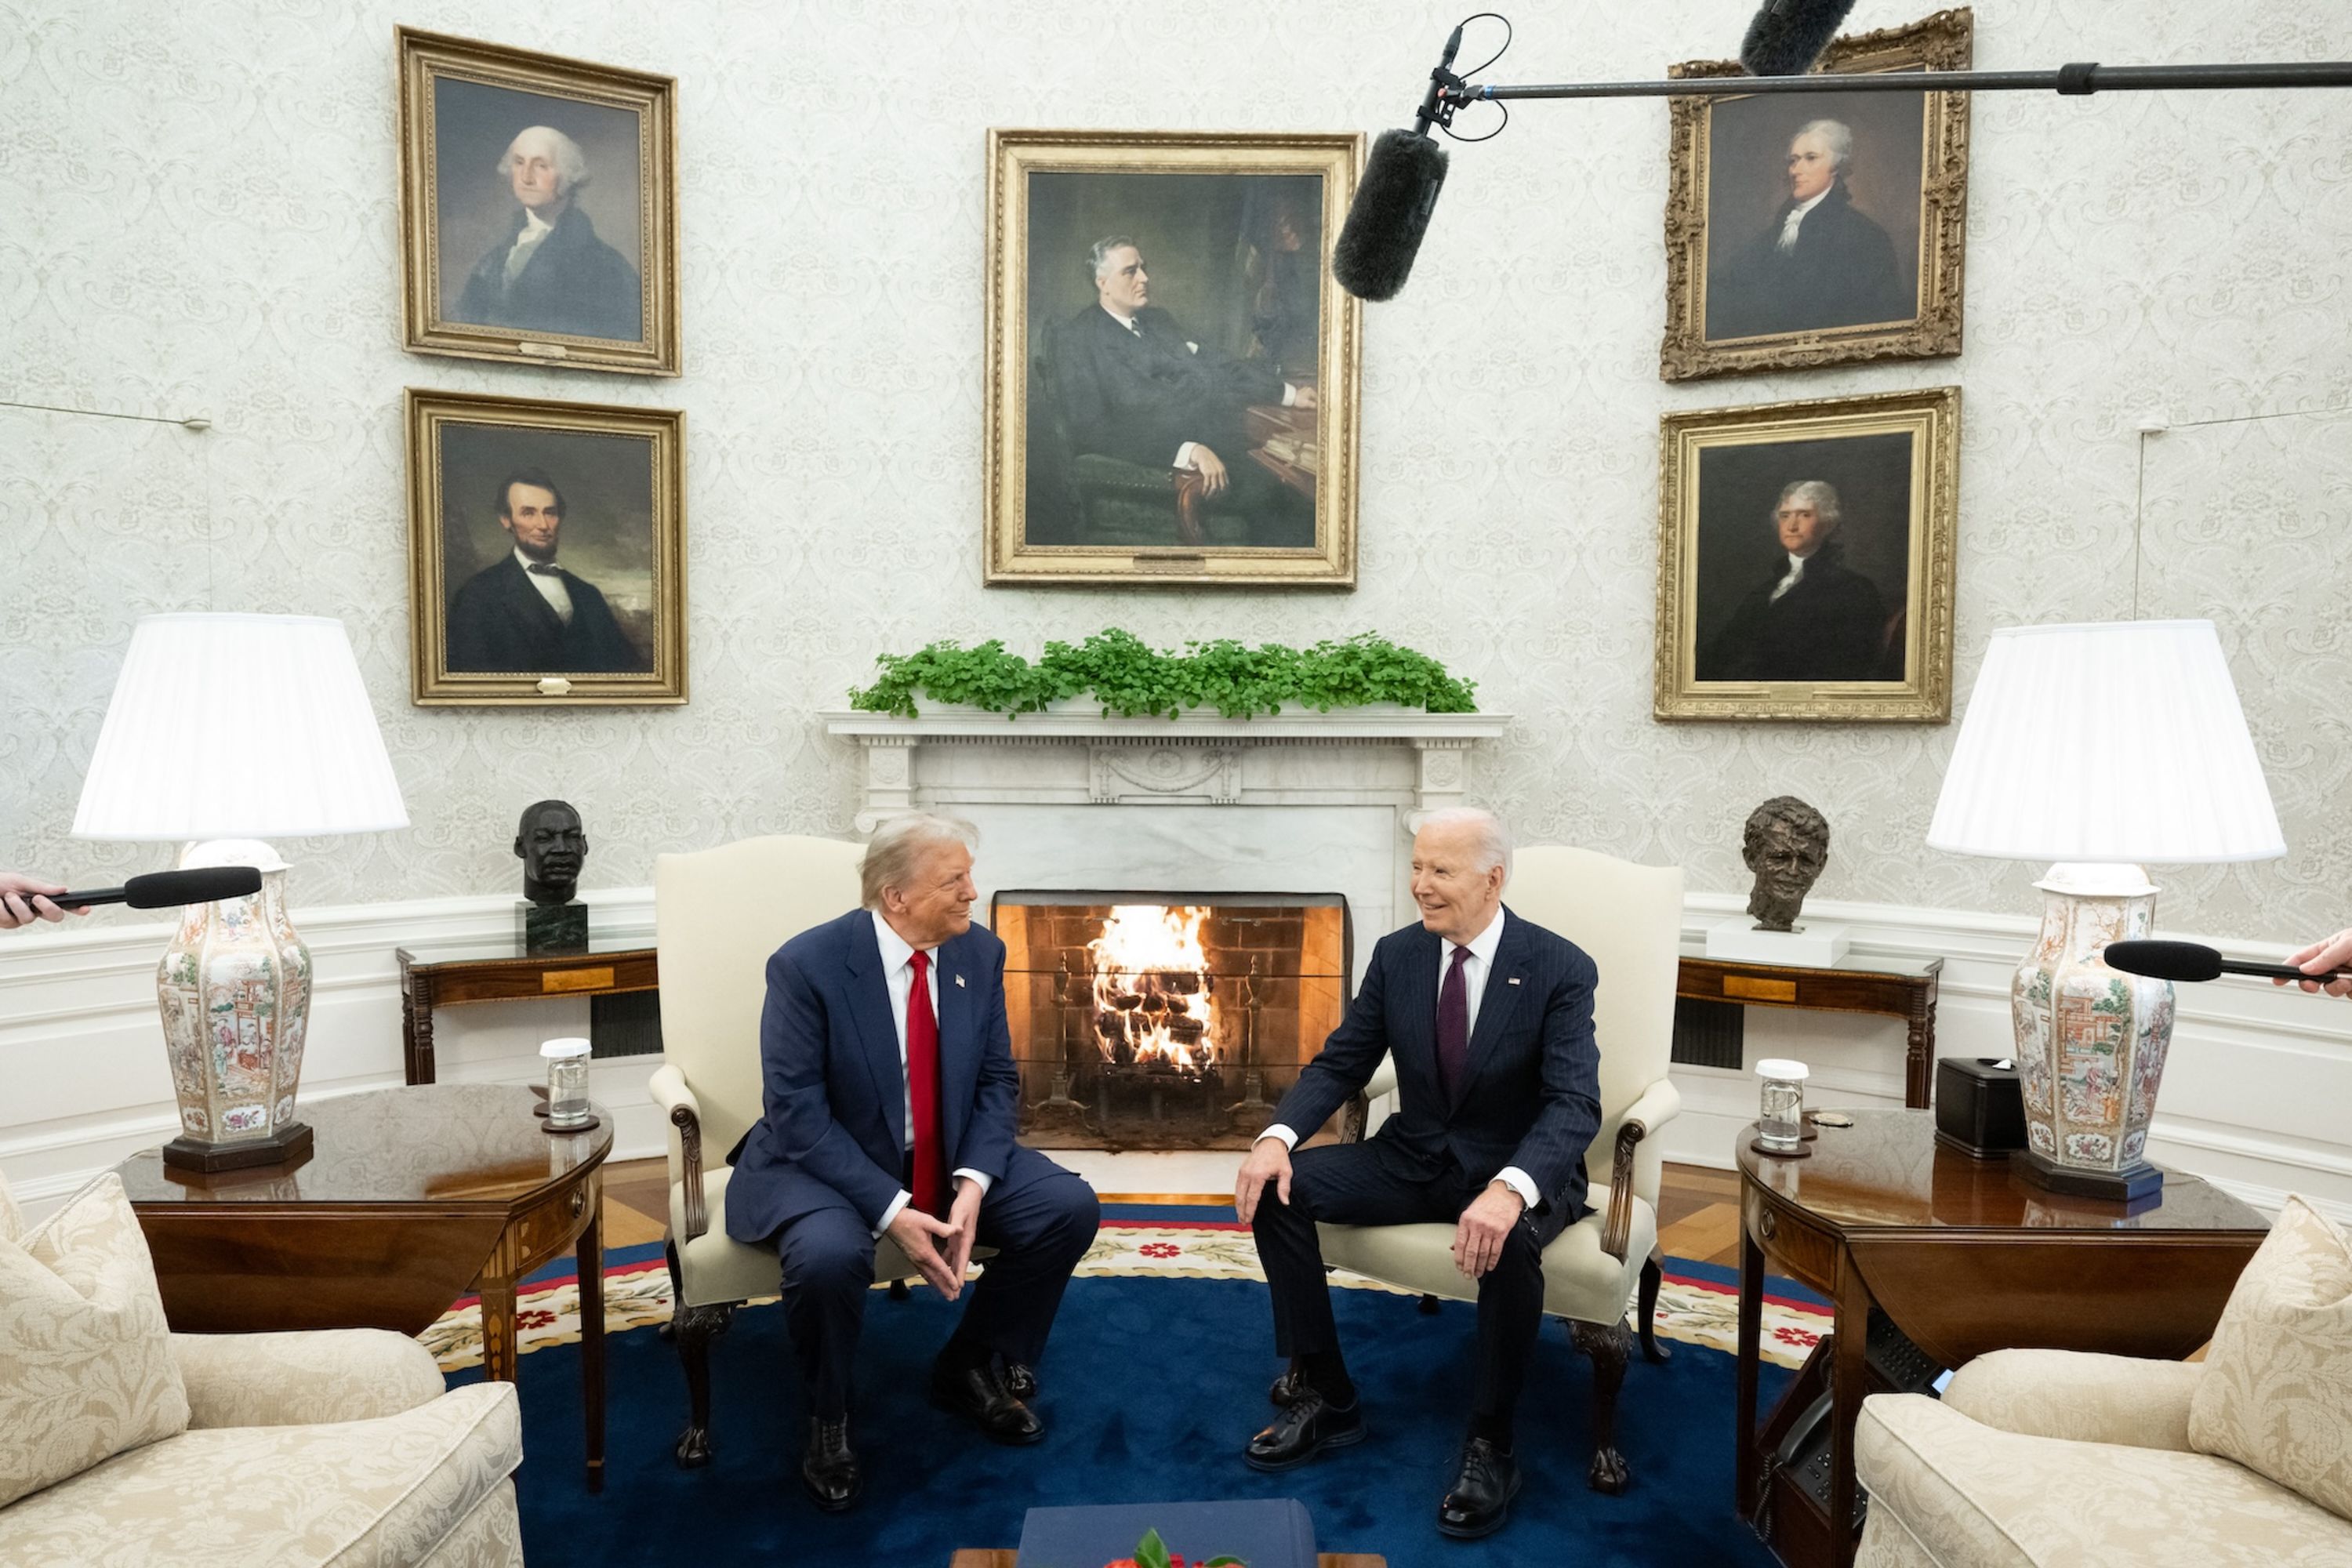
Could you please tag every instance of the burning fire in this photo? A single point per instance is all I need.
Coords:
(1152, 1001)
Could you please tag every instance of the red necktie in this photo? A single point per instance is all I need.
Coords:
(930, 1190)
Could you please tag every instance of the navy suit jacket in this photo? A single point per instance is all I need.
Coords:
(834, 1135)
(1532, 1097)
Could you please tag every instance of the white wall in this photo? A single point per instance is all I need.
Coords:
(200, 217)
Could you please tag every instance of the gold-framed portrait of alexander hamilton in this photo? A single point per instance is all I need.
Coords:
(547, 552)
(538, 207)
(1174, 374)
(1807, 229)
(1806, 560)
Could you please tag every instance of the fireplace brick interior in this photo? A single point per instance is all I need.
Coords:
(1153, 1020)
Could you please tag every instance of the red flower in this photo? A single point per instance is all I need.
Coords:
(1159, 1250)
(1804, 1339)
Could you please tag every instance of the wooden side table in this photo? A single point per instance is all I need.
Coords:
(503, 972)
(411, 1198)
(1963, 1258)
(1859, 982)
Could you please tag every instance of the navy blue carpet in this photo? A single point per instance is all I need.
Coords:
(1151, 1389)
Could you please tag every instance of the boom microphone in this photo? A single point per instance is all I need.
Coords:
(167, 889)
(1789, 35)
(2194, 961)
(1375, 252)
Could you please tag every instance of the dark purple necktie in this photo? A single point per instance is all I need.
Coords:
(1453, 1026)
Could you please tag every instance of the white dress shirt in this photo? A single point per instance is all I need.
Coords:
(1474, 971)
(1796, 575)
(898, 977)
(1184, 458)
(550, 585)
(1796, 219)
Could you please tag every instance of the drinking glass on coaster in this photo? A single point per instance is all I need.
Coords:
(567, 1086)
(1780, 1108)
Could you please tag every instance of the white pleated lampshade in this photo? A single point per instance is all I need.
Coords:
(231, 726)
(2118, 742)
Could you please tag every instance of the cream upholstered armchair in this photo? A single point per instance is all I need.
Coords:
(1628, 919)
(718, 916)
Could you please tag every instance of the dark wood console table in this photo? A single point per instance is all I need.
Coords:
(503, 972)
(1962, 1258)
(1888, 987)
(411, 1198)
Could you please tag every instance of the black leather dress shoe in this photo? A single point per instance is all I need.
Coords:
(978, 1395)
(1021, 1380)
(1307, 1427)
(1481, 1499)
(828, 1468)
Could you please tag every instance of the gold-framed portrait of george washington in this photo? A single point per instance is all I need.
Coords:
(1820, 228)
(1806, 560)
(546, 552)
(538, 207)
(1172, 371)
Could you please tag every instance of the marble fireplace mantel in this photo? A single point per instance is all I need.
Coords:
(1071, 754)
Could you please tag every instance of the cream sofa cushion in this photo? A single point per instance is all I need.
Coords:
(382, 1493)
(2277, 1391)
(1966, 1493)
(86, 1363)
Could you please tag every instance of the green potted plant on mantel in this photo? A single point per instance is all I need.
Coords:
(1130, 679)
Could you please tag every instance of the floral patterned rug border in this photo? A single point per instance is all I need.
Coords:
(637, 1295)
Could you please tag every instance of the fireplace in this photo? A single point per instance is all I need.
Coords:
(1166, 1020)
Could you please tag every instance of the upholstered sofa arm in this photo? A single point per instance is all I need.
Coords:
(2080, 1396)
(303, 1379)
(669, 1090)
(1657, 1105)
(1383, 1081)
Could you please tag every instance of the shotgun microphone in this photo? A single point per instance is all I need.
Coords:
(1788, 37)
(1375, 251)
(2194, 961)
(166, 890)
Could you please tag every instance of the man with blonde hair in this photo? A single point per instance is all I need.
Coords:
(891, 1102)
(551, 273)
(1489, 1018)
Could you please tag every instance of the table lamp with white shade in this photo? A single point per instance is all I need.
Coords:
(226, 729)
(2100, 747)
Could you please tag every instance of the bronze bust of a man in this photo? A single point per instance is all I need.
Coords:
(553, 848)
(1785, 843)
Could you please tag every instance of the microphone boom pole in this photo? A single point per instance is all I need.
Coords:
(2080, 81)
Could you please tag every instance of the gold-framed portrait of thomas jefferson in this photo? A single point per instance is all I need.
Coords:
(1807, 229)
(1805, 560)
(546, 552)
(538, 207)
(1172, 371)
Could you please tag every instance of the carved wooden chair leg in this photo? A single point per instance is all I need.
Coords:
(1653, 1272)
(697, 1327)
(1608, 1345)
(669, 1330)
(898, 1292)
(1429, 1306)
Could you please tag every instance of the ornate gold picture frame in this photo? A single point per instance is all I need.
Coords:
(1805, 560)
(1174, 374)
(538, 207)
(546, 552)
(1809, 229)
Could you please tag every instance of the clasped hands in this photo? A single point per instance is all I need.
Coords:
(939, 1248)
(1479, 1234)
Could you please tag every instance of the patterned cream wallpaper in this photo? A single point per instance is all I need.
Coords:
(200, 216)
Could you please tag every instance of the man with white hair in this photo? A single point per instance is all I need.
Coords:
(1809, 616)
(1489, 1019)
(1820, 263)
(891, 1101)
(551, 274)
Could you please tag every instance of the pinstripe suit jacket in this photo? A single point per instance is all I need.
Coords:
(1532, 1094)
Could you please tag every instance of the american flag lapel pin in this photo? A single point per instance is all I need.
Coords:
(1514, 980)
(960, 983)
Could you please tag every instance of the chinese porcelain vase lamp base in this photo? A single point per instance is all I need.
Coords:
(2100, 747)
(224, 730)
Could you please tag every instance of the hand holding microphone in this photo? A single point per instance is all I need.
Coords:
(2333, 953)
(2312, 968)
(24, 900)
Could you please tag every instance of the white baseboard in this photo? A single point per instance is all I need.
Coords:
(2252, 1099)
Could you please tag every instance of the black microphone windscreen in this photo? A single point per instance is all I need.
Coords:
(164, 890)
(1390, 212)
(1789, 35)
(2164, 960)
